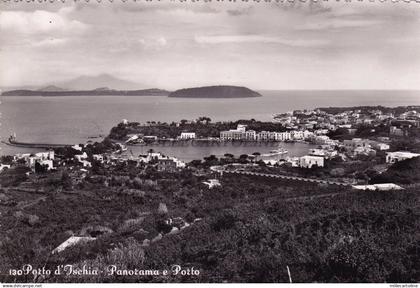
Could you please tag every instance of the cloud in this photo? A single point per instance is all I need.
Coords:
(327, 24)
(240, 12)
(50, 42)
(260, 39)
(155, 6)
(153, 43)
(323, 44)
(39, 21)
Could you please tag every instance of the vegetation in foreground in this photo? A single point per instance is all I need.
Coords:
(250, 230)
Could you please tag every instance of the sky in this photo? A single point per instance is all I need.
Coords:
(172, 45)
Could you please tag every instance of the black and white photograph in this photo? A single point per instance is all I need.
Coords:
(209, 142)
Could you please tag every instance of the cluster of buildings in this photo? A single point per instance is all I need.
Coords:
(162, 162)
(157, 159)
(81, 159)
(240, 133)
(317, 156)
(347, 148)
(309, 119)
(45, 159)
(359, 146)
(320, 122)
(310, 161)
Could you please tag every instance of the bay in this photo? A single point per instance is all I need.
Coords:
(77, 119)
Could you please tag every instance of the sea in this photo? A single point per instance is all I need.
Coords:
(78, 119)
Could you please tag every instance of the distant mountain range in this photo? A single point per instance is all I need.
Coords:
(215, 92)
(102, 80)
(98, 86)
(83, 83)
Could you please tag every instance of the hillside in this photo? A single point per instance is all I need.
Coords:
(247, 230)
(215, 92)
(403, 172)
(51, 88)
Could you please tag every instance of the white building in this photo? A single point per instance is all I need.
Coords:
(80, 157)
(379, 146)
(298, 134)
(231, 135)
(323, 153)
(48, 155)
(250, 135)
(266, 135)
(355, 143)
(379, 187)
(163, 161)
(187, 135)
(279, 136)
(241, 127)
(392, 157)
(321, 132)
(234, 134)
(98, 157)
(284, 136)
(294, 161)
(77, 147)
(271, 162)
(397, 131)
(323, 140)
(4, 166)
(211, 183)
(47, 162)
(86, 163)
(364, 151)
(178, 163)
(308, 161)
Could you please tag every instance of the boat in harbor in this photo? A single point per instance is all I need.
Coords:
(276, 152)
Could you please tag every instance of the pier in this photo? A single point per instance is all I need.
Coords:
(12, 142)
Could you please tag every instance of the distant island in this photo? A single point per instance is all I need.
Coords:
(215, 92)
(103, 91)
(198, 92)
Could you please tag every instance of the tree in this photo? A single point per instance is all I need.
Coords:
(21, 161)
(225, 220)
(195, 163)
(39, 168)
(8, 159)
(243, 158)
(162, 210)
(66, 180)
